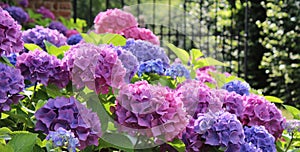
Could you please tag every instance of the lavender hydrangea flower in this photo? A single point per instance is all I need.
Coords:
(225, 130)
(178, 70)
(10, 34)
(69, 114)
(249, 147)
(233, 103)
(151, 66)
(18, 14)
(145, 51)
(62, 137)
(46, 13)
(56, 25)
(202, 74)
(74, 39)
(237, 86)
(260, 138)
(23, 3)
(40, 34)
(39, 66)
(130, 62)
(259, 111)
(149, 110)
(292, 126)
(11, 83)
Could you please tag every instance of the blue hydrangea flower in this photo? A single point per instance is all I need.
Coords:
(145, 51)
(260, 138)
(60, 27)
(74, 39)
(292, 126)
(177, 70)
(237, 86)
(151, 66)
(62, 137)
(249, 147)
(12, 58)
(18, 14)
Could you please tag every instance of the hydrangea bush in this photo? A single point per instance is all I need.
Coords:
(117, 90)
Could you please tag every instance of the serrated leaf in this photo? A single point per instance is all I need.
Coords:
(23, 142)
(195, 54)
(294, 111)
(115, 39)
(273, 99)
(32, 47)
(180, 53)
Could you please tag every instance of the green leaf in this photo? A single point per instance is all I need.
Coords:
(53, 50)
(208, 62)
(195, 54)
(53, 91)
(118, 141)
(178, 145)
(87, 38)
(6, 148)
(5, 60)
(294, 111)
(23, 142)
(39, 104)
(219, 77)
(115, 39)
(32, 47)
(180, 53)
(5, 133)
(273, 99)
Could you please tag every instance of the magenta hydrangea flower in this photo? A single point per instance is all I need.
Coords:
(11, 83)
(233, 103)
(141, 34)
(202, 74)
(39, 66)
(60, 27)
(10, 34)
(69, 114)
(237, 86)
(220, 129)
(260, 138)
(40, 34)
(69, 33)
(149, 110)
(46, 13)
(198, 98)
(114, 21)
(258, 111)
(145, 51)
(18, 14)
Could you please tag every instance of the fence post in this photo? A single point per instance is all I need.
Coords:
(246, 42)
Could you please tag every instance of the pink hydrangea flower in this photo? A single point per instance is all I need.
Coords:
(141, 34)
(202, 74)
(259, 111)
(114, 21)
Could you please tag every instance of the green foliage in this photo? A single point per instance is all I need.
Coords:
(70, 23)
(32, 47)
(37, 18)
(56, 51)
(115, 39)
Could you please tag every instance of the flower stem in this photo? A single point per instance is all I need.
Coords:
(290, 143)
(34, 91)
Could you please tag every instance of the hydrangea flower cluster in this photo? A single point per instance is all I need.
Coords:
(40, 34)
(151, 66)
(145, 51)
(259, 111)
(11, 83)
(23, 3)
(109, 71)
(202, 74)
(292, 126)
(260, 138)
(62, 137)
(237, 86)
(198, 97)
(149, 110)
(233, 103)
(74, 39)
(56, 25)
(114, 21)
(220, 129)
(141, 34)
(130, 63)
(18, 14)
(39, 66)
(10, 34)
(69, 114)
(46, 13)
(177, 70)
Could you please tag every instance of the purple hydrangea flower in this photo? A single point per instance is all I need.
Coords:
(46, 13)
(3, 5)
(40, 34)
(149, 110)
(198, 98)
(225, 130)
(56, 25)
(10, 34)
(69, 114)
(202, 74)
(62, 137)
(178, 70)
(233, 103)
(23, 3)
(18, 14)
(74, 39)
(260, 138)
(39, 66)
(259, 111)
(11, 83)
(130, 63)
(237, 86)
(249, 147)
(292, 126)
(151, 66)
(145, 51)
